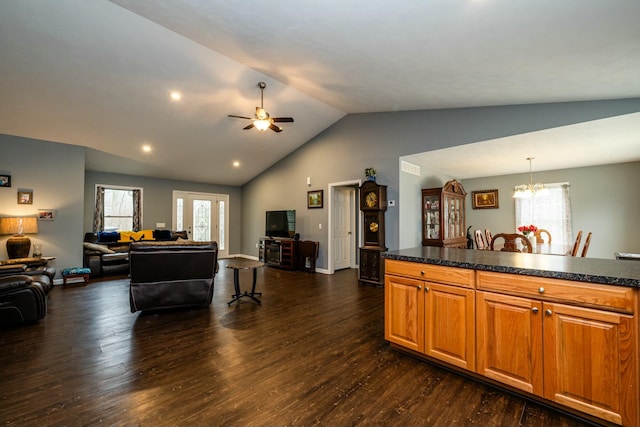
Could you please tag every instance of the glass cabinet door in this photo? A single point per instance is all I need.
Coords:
(431, 218)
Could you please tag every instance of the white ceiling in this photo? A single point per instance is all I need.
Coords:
(98, 73)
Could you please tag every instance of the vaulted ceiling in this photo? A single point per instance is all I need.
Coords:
(99, 73)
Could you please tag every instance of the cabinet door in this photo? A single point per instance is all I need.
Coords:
(509, 340)
(589, 362)
(449, 324)
(404, 312)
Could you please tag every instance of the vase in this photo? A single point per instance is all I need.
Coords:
(532, 240)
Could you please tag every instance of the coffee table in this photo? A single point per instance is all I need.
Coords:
(244, 264)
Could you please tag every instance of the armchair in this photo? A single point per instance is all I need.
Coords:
(171, 274)
(22, 300)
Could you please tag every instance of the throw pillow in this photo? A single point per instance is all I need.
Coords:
(108, 236)
(98, 248)
(162, 234)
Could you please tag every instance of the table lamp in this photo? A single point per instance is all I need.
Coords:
(18, 245)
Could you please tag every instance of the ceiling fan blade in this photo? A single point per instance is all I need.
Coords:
(283, 119)
(248, 126)
(240, 117)
(275, 128)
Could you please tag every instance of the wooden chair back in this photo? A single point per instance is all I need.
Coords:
(488, 236)
(480, 241)
(539, 238)
(510, 242)
(576, 244)
(585, 248)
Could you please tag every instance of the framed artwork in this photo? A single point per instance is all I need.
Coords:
(5, 180)
(25, 197)
(46, 214)
(485, 199)
(314, 199)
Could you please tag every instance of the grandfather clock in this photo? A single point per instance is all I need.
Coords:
(373, 204)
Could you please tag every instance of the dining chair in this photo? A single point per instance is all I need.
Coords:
(576, 244)
(510, 242)
(539, 238)
(488, 236)
(585, 248)
(480, 241)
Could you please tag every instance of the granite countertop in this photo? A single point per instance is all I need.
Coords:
(592, 270)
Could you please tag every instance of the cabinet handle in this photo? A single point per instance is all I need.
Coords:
(534, 309)
(426, 289)
(422, 273)
(548, 312)
(419, 287)
(541, 290)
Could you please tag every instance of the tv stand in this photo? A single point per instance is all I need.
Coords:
(279, 252)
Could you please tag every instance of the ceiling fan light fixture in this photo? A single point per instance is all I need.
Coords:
(262, 124)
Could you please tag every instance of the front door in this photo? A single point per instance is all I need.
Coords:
(204, 216)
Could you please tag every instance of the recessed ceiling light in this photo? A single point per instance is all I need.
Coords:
(146, 148)
(236, 164)
(175, 95)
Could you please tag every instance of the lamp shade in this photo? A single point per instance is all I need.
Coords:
(18, 225)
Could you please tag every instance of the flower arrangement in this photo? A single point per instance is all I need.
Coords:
(527, 229)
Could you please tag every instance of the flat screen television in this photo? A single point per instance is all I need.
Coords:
(280, 223)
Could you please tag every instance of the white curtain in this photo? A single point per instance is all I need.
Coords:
(550, 211)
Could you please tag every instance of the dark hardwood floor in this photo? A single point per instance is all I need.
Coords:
(312, 354)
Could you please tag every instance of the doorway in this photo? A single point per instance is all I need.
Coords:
(344, 223)
(205, 217)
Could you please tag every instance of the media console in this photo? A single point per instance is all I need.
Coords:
(279, 252)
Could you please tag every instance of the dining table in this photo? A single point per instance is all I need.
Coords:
(542, 248)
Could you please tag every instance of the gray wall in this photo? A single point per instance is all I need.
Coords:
(157, 200)
(55, 174)
(342, 152)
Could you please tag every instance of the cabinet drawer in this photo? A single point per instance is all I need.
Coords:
(616, 298)
(434, 273)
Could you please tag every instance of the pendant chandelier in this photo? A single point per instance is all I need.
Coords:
(530, 189)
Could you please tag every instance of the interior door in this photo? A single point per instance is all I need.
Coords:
(204, 216)
(343, 224)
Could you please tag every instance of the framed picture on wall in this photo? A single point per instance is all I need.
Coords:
(5, 180)
(25, 197)
(485, 199)
(46, 214)
(314, 199)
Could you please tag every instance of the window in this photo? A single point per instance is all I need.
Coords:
(118, 208)
(550, 211)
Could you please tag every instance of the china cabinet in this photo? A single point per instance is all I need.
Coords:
(443, 216)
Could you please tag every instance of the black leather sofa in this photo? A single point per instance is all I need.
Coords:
(171, 274)
(111, 257)
(25, 284)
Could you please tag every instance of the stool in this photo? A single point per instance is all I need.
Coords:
(75, 273)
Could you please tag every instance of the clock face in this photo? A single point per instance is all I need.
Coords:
(371, 199)
(373, 227)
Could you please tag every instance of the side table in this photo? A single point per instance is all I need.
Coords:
(244, 264)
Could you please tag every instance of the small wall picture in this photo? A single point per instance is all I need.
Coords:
(46, 214)
(25, 197)
(5, 180)
(485, 199)
(314, 199)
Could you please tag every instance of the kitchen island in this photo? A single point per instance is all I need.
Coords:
(561, 330)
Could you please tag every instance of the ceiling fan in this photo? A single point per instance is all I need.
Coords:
(261, 120)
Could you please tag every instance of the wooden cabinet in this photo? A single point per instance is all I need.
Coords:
(426, 314)
(279, 252)
(571, 343)
(582, 358)
(443, 216)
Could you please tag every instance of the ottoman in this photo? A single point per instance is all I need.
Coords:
(70, 275)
